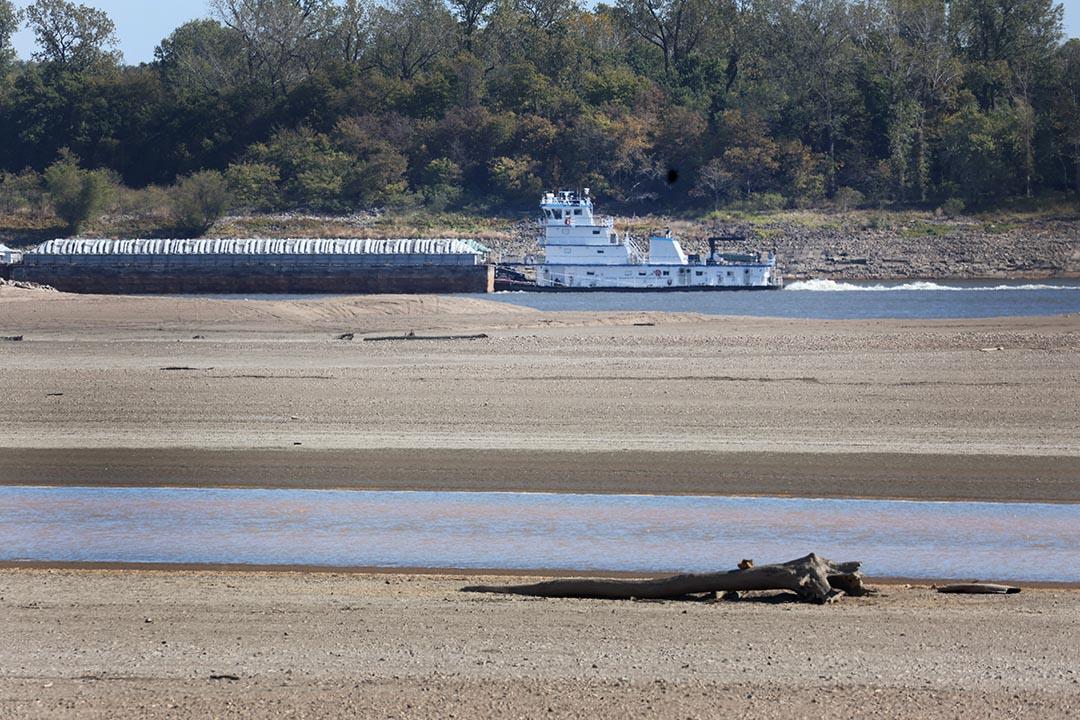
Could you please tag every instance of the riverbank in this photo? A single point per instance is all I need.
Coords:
(126, 644)
(812, 243)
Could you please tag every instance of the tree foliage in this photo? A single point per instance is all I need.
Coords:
(77, 195)
(9, 23)
(337, 105)
(198, 201)
(71, 37)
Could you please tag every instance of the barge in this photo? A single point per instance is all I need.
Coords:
(228, 266)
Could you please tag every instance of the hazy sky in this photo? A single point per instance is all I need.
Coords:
(141, 24)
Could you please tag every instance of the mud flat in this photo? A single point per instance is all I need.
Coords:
(187, 644)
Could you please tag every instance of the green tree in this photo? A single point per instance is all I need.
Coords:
(71, 37)
(1066, 117)
(442, 183)
(752, 155)
(981, 152)
(252, 185)
(676, 28)
(515, 179)
(920, 75)
(377, 173)
(1011, 44)
(471, 16)
(313, 171)
(820, 35)
(199, 58)
(411, 35)
(9, 23)
(77, 195)
(198, 201)
(283, 41)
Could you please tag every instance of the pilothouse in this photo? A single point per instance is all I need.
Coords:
(584, 252)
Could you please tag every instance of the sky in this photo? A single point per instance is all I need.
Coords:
(142, 24)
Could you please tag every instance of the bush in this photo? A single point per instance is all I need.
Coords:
(24, 191)
(953, 207)
(253, 186)
(150, 201)
(847, 198)
(77, 195)
(198, 201)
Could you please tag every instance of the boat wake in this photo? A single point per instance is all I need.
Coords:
(834, 286)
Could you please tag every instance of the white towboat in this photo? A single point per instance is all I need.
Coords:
(583, 252)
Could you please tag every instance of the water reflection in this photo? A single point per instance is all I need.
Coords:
(522, 531)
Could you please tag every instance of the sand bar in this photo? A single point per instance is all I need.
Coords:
(130, 391)
(126, 644)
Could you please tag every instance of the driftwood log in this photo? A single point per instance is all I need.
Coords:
(812, 578)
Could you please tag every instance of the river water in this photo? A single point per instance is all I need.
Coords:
(831, 300)
(1006, 541)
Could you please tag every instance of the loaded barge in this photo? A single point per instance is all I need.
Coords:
(257, 266)
(585, 253)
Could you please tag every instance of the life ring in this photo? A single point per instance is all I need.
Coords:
(568, 220)
(657, 273)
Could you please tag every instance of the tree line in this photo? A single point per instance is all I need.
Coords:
(340, 105)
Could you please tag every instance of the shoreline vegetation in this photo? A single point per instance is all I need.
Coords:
(679, 107)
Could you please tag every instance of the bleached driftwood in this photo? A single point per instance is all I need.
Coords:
(812, 578)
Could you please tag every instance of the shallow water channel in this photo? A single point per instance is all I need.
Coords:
(1008, 541)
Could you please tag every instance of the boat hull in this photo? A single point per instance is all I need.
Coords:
(512, 286)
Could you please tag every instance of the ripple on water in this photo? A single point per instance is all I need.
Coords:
(1015, 541)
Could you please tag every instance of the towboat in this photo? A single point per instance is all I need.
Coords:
(584, 252)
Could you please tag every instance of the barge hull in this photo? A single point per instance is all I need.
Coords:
(260, 279)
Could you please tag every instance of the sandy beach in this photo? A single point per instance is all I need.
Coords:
(126, 644)
(188, 392)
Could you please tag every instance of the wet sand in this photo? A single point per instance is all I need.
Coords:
(188, 644)
(989, 478)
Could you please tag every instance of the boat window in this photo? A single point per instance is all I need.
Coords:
(666, 272)
(700, 273)
(558, 214)
(577, 211)
(641, 273)
(590, 273)
(599, 252)
(595, 232)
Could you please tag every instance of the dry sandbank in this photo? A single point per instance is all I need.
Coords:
(125, 644)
